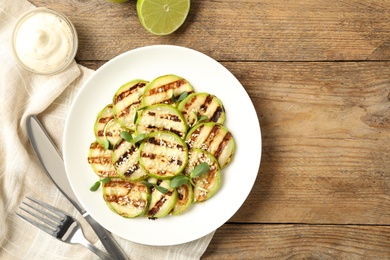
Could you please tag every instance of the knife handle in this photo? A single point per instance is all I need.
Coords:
(107, 240)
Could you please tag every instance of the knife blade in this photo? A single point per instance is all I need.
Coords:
(53, 164)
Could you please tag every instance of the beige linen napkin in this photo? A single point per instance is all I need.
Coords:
(22, 94)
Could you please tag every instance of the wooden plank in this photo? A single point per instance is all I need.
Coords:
(326, 141)
(299, 242)
(268, 30)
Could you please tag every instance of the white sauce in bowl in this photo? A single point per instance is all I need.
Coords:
(44, 41)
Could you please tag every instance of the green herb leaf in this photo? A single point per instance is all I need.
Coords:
(182, 96)
(173, 98)
(178, 181)
(105, 180)
(147, 184)
(135, 117)
(199, 119)
(202, 118)
(200, 169)
(139, 138)
(95, 186)
(161, 189)
(107, 145)
(127, 136)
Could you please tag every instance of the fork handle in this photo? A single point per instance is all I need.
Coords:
(106, 238)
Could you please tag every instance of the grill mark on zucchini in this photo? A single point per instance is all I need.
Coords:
(98, 159)
(105, 120)
(206, 103)
(217, 114)
(162, 158)
(164, 143)
(214, 131)
(195, 135)
(159, 204)
(223, 144)
(166, 87)
(130, 171)
(107, 173)
(167, 117)
(124, 199)
(101, 160)
(101, 133)
(182, 192)
(126, 111)
(124, 157)
(128, 92)
(189, 104)
(168, 129)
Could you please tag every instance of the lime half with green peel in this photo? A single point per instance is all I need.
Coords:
(162, 17)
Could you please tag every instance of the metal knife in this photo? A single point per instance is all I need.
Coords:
(52, 162)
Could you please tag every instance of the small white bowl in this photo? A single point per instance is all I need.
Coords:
(44, 41)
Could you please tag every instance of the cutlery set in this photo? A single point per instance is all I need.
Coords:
(54, 221)
(58, 224)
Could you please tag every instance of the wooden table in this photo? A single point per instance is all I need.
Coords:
(318, 73)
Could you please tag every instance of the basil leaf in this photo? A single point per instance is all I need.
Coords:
(161, 189)
(200, 169)
(95, 186)
(127, 136)
(178, 181)
(139, 138)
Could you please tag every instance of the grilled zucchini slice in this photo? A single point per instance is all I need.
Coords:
(125, 160)
(161, 117)
(127, 100)
(161, 90)
(185, 197)
(202, 104)
(161, 204)
(213, 138)
(208, 183)
(163, 155)
(128, 199)
(101, 161)
(106, 127)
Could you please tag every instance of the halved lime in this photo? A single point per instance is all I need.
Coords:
(162, 17)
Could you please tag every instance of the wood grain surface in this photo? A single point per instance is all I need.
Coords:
(318, 74)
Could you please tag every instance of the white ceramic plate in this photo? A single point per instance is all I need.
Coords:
(205, 74)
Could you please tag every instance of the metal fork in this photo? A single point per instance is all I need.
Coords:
(59, 225)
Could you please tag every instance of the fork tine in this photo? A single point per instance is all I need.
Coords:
(50, 222)
(54, 218)
(37, 224)
(47, 206)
